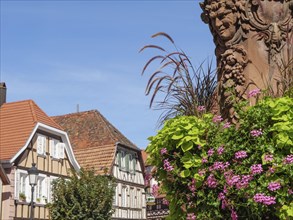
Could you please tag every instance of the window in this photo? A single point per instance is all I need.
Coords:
(41, 189)
(123, 196)
(57, 149)
(41, 145)
(138, 198)
(121, 160)
(51, 180)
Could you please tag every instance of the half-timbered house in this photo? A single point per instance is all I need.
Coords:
(28, 135)
(98, 144)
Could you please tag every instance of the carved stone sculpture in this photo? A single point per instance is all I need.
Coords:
(252, 37)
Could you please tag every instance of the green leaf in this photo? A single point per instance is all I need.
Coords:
(185, 173)
(187, 146)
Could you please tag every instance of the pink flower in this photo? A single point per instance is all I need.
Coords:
(240, 154)
(220, 150)
(232, 180)
(211, 181)
(217, 118)
(288, 159)
(191, 216)
(224, 204)
(201, 172)
(256, 169)
(256, 133)
(271, 170)
(266, 200)
(167, 165)
(211, 152)
(164, 151)
(191, 186)
(204, 160)
(227, 125)
(269, 158)
(253, 93)
(221, 196)
(244, 181)
(234, 215)
(290, 191)
(165, 201)
(155, 190)
(201, 108)
(273, 186)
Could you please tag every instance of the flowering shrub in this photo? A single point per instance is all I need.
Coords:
(209, 169)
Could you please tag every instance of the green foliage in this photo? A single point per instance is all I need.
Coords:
(215, 170)
(84, 196)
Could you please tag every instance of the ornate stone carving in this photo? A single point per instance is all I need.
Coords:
(250, 38)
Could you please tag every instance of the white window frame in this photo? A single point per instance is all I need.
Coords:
(21, 185)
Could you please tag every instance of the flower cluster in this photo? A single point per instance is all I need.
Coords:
(240, 154)
(191, 216)
(288, 159)
(211, 181)
(164, 151)
(167, 165)
(256, 169)
(253, 93)
(220, 150)
(268, 158)
(217, 119)
(256, 133)
(273, 186)
(201, 108)
(266, 200)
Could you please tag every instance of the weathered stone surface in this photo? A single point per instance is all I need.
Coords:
(252, 38)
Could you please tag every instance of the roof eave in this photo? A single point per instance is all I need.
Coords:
(55, 131)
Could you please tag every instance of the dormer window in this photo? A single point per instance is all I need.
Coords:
(41, 145)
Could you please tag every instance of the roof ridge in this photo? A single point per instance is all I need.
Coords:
(31, 103)
(73, 113)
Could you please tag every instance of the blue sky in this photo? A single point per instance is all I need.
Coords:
(64, 53)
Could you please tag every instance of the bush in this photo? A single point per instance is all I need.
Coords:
(84, 196)
(211, 169)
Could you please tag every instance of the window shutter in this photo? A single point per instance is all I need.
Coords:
(55, 150)
(119, 159)
(130, 163)
(27, 189)
(45, 189)
(61, 150)
(134, 165)
(51, 146)
(41, 143)
(127, 162)
(16, 184)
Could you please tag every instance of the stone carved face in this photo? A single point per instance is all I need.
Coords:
(224, 23)
(223, 17)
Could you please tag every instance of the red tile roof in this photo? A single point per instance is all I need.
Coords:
(93, 138)
(17, 121)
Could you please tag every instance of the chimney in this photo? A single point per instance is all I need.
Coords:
(2, 93)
